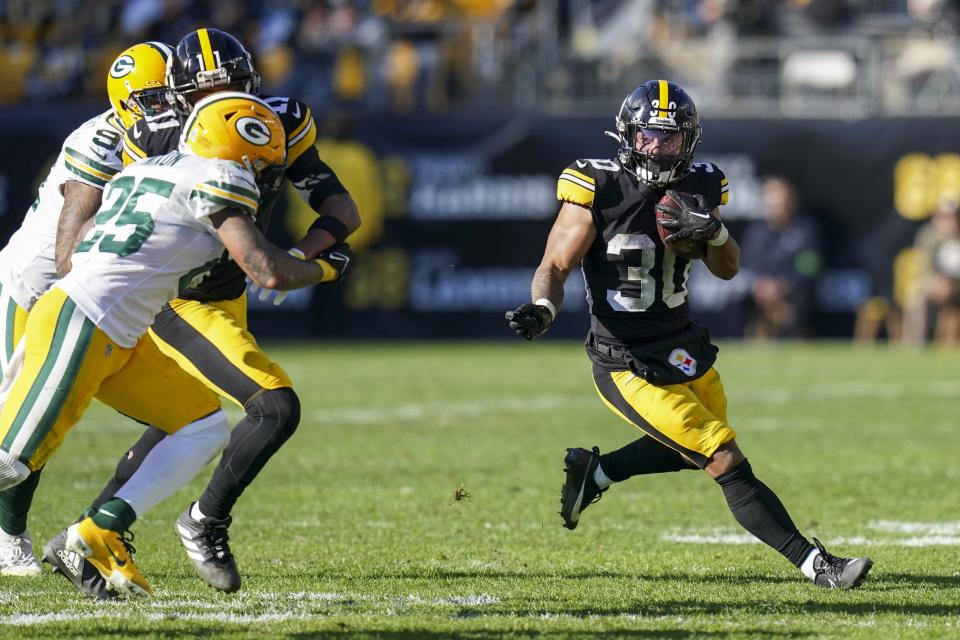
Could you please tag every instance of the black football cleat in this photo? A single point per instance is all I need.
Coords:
(839, 573)
(580, 490)
(206, 544)
(75, 568)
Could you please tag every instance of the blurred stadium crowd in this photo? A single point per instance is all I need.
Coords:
(766, 56)
(781, 60)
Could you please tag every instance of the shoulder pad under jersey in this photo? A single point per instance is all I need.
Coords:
(711, 181)
(578, 183)
(223, 184)
(92, 152)
(297, 122)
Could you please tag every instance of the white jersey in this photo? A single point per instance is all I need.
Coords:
(153, 238)
(91, 155)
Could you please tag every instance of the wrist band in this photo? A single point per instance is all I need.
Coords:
(721, 238)
(329, 273)
(297, 253)
(332, 226)
(543, 302)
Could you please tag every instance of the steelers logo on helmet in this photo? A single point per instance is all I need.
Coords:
(253, 130)
(122, 66)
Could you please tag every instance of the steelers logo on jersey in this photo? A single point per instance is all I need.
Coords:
(122, 66)
(253, 130)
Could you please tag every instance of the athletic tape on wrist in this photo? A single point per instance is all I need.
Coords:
(721, 238)
(549, 305)
(329, 272)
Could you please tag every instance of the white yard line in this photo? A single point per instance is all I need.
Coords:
(929, 528)
(842, 390)
(282, 607)
(463, 409)
(914, 534)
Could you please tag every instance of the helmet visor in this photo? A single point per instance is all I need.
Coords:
(148, 102)
(656, 142)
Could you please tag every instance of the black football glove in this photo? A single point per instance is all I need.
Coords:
(336, 263)
(530, 320)
(691, 222)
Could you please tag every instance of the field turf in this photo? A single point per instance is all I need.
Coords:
(419, 499)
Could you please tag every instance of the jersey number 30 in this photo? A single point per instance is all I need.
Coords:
(641, 276)
(123, 194)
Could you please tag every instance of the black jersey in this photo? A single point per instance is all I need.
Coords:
(312, 177)
(636, 289)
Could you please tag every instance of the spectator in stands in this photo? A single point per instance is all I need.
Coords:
(781, 256)
(936, 298)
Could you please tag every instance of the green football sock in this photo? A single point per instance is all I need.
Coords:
(115, 514)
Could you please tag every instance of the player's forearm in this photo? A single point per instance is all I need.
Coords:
(76, 218)
(266, 264)
(272, 268)
(548, 285)
(723, 261)
(339, 207)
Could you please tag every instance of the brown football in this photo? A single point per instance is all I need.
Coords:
(689, 249)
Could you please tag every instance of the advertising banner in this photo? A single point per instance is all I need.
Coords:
(456, 212)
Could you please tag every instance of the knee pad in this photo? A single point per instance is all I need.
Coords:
(279, 406)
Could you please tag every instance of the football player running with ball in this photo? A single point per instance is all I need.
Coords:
(653, 364)
(204, 329)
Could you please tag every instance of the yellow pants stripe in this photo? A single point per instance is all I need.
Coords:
(13, 320)
(211, 342)
(65, 360)
(690, 418)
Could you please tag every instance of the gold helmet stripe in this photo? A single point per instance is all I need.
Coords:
(208, 62)
(664, 98)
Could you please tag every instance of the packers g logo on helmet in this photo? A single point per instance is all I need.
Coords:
(121, 66)
(136, 82)
(232, 125)
(253, 131)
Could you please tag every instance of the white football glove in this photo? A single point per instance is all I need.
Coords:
(265, 293)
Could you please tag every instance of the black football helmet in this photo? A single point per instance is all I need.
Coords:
(209, 59)
(659, 129)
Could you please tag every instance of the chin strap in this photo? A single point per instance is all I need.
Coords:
(615, 136)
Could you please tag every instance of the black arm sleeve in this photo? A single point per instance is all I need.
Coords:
(314, 178)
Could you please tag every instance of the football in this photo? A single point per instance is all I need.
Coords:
(689, 249)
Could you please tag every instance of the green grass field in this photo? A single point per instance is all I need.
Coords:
(353, 529)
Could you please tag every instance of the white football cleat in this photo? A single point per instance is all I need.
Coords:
(16, 556)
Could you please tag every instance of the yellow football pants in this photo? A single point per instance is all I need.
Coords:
(68, 361)
(13, 321)
(690, 418)
(154, 389)
(210, 340)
